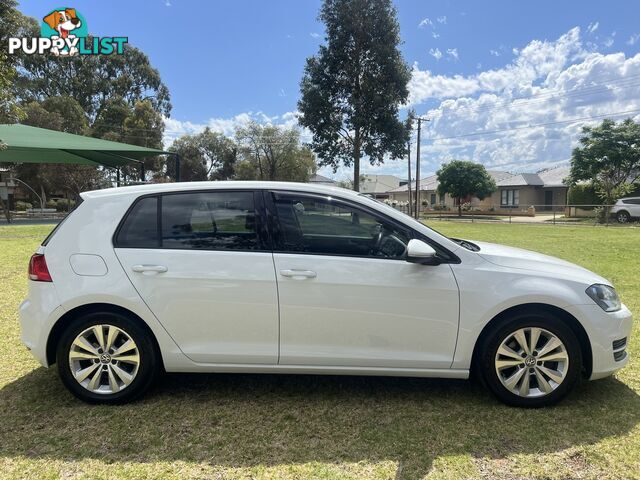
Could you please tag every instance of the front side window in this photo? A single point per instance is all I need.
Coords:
(209, 221)
(325, 226)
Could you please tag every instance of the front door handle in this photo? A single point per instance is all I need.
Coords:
(298, 273)
(149, 269)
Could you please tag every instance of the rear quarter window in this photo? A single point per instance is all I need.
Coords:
(140, 226)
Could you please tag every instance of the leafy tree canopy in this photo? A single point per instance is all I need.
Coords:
(269, 152)
(461, 179)
(609, 157)
(351, 90)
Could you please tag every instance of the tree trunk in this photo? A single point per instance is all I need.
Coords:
(459, 207)
(356, 160)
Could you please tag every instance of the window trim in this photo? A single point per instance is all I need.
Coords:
(504, 192)
(410, 232)
(262, 231)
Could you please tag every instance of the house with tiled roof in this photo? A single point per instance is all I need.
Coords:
(516, 191)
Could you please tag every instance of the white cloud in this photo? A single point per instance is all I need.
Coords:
(593, 26)
(633, 39)
(495, 53)
(608, 42)
(314, 35)
(435, 53)
(453, 53)
(435, 35)
(174, 128)
(442, 20)
(425, 22)
(547, 86)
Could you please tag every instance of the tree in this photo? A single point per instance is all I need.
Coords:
(462, 180)
(91, 79)
(269, 152)
(10, 19)
(206, 155)
(351, 90)
(609, 157)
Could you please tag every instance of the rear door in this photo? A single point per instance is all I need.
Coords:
(202, 263)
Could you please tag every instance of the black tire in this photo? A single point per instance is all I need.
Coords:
(147, 369)
(623, 217)
(487, 354)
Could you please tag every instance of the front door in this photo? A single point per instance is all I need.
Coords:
(202, 267)
(348, 297)
(548, 199)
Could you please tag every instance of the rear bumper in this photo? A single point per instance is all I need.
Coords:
(37, 314)
(603, 329)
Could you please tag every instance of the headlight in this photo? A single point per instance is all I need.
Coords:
(605, 296)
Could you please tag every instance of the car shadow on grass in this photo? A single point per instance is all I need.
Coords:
(268, 420)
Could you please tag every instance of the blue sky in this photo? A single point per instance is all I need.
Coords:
(227, 61)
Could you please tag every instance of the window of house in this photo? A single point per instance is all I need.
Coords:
(509, 198)
(433, 199)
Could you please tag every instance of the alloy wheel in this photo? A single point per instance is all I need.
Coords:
(531, 362)
(104, 359)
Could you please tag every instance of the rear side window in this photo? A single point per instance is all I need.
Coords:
(140, 228)
(631, 201)
(209, 221)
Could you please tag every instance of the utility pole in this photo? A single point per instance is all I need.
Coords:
(417, 211)
(410, 204)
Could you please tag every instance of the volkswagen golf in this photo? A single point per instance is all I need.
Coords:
(296, 278)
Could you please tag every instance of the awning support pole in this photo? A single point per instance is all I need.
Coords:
(117, 177)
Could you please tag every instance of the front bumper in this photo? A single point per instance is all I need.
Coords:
(603, 329)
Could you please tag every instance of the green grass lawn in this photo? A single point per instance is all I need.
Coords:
(298, 427)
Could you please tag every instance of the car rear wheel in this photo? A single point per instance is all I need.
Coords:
(106, 358)
(623, 217)
(532, 360)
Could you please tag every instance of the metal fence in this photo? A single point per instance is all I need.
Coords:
(588, 215)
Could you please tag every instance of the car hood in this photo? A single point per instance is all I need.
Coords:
(525, 259)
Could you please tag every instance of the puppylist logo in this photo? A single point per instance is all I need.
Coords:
(64, 32)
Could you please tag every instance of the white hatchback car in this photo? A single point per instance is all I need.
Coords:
(295, 278)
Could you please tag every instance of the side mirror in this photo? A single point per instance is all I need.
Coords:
(421, 252)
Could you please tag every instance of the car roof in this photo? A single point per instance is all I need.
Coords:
(187, 186)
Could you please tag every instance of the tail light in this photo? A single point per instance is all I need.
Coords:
(38, 270)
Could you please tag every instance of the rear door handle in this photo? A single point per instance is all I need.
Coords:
(298, 273)
(149, 269)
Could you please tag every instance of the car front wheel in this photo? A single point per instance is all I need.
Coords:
(106, 358)
(531, 360)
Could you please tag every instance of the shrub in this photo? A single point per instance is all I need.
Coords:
(22, 206)
(583, 194)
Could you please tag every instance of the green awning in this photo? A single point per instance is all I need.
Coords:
(25, 144)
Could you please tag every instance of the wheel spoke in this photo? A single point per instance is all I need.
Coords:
(552, 374)
(559, 356)
(542, 382)
(502, 364)
(534, 336)
(550, 346)
(82, 375)
(513, 380)
(135, 358)
(83, 343)
(524, 385)
(125, 347)
(112, 333)
(94, 383)
(509, 352)
(124, 376)
(113, 382)
(76, 354)
(522, 341)
(99, 334)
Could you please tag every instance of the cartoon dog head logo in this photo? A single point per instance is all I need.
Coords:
(64, 23)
